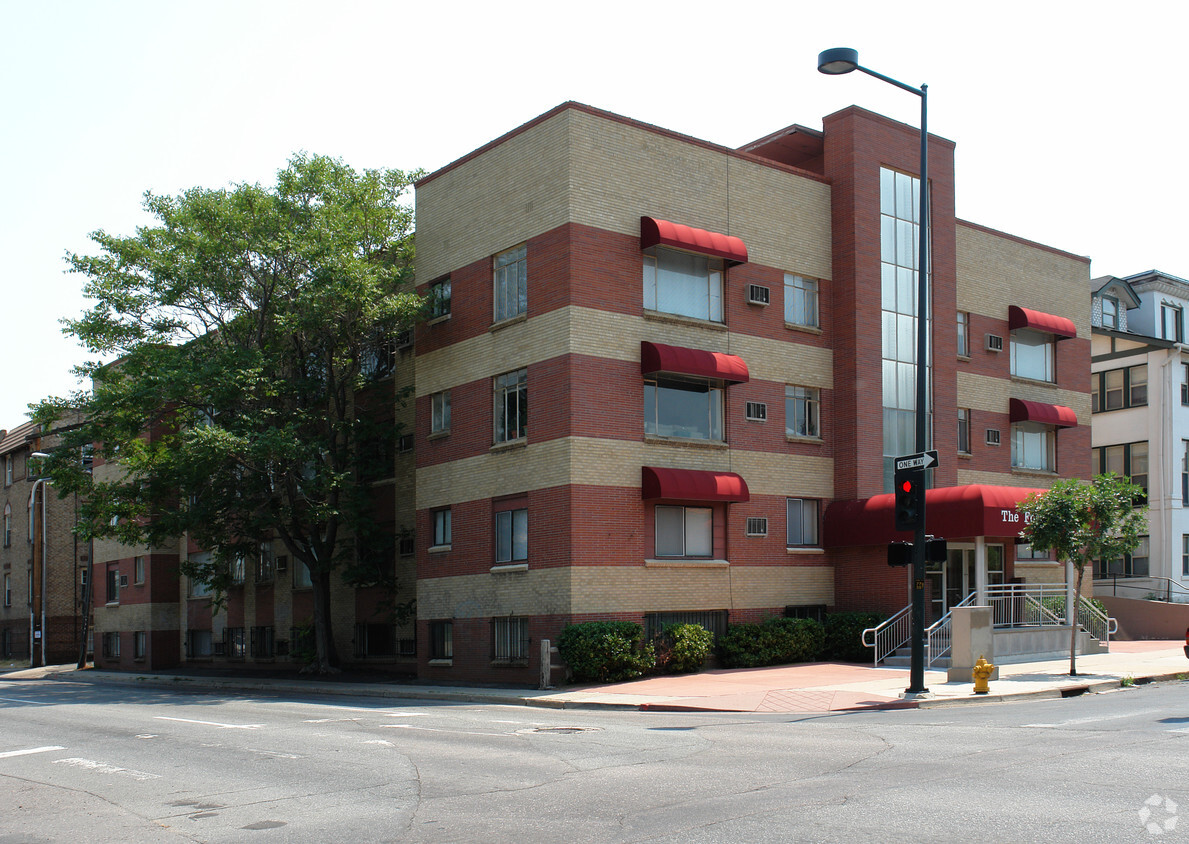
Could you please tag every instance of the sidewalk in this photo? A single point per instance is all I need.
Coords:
(812, 687)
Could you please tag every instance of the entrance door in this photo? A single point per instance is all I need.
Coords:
(947, 584)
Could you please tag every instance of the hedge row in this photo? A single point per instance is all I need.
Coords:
(612, 651)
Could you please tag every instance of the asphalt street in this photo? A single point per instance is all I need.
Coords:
(84, 762)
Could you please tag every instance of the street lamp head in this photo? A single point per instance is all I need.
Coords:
(837, 61)
(39, 455)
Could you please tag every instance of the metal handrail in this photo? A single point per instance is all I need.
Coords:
(889, 634)
(1144, 583)
(1095, 621)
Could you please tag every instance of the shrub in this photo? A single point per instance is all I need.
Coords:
(844, 635)
(776, 641)
(605, 651)
(1056, 605)
(682, 648)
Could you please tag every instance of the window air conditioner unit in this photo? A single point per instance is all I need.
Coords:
(757, 526)
(992, 436)
(123, 581)
(757, 294)
(404, 340)
(282, 563)
(994, 343)
(220, 648)
(756, 411)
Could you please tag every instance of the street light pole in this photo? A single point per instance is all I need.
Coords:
(844, 60)
(40, 482)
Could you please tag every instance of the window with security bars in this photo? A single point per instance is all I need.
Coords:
(263, 642)
(234, 642)
(509, 639)
(111, 645)
(301, 640)
(757, 525)
(375, 640)
(713, 620)
(441, 640)
(199, 644)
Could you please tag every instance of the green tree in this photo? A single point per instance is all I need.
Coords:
(1082, 522)
(243, 329)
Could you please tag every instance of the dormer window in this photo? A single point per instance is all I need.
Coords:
(1110, 312)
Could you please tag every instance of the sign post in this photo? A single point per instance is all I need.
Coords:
(910, 515)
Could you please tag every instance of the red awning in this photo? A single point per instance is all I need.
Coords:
(957, 512)
(1020, 410)
(657, 357)
(693, 485)
(1059, 326)
(655, 232)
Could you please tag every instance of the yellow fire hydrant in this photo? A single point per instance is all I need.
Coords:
(982, 672)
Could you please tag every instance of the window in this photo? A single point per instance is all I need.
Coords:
(439, 299)
(1185, 554)
(509, 639)
(1032, 355)
(1024, 551)
(237, 570)
(511, 283)
(139, 644)
(266, 563)
(375, 640)
(1129, 460)
(1172, 322)
(441, 528)
(440, 412)
(8, 470)
(1033, 446)
(8, 590)
(111, 645)
(680, 407)
(7, 525)
(113, 586)
(441, 640)
(511, 406)
(757, 526)
(138, 570)
(233, 642)
(406, 546)
(404, 443)
(1185, 384)
(263, 641)
(964, 430)
(301, 576)
(31, 468)
(683, 283)
(800, 301)
(198, 644)
(1185, 473)
(963, 334)
(1116, 389)
(511, 536)
(684, 531)
(802, 411)
(1110, 312)
(802, 522)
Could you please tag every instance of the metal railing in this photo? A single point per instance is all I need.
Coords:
(1012, 606)
(1148, 587)
(890, 634)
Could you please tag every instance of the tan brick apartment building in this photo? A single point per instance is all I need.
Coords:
(34, 554)
(665, 380)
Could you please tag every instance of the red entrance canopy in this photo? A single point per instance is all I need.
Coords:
(654, 232)
(956, 512)
(1020, 410)
(657, 357)
(693, 485)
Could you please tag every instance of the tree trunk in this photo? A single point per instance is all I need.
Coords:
(1071, 616)
(325, 659)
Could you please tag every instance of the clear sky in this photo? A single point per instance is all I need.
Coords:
(1069, 117)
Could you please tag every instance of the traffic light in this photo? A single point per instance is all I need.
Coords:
(899, 553)
(910, 494)
(936, 549)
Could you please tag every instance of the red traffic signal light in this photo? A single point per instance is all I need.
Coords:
(910, 492)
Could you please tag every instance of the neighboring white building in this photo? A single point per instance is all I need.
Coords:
(1140, 399)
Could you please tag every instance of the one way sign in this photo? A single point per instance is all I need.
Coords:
(921, 460)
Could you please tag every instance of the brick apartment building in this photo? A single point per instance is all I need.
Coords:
(32, 557)
(665, 380)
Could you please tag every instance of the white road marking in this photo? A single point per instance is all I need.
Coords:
(147, 735)
(274, 753)
(211, 723)
(1134, 714)
(434, 730)
(380, 742)
(104, 768)
(19, 700)
(9, 753)
(328, 720)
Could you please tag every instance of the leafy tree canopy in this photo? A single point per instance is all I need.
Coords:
(233, 341)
